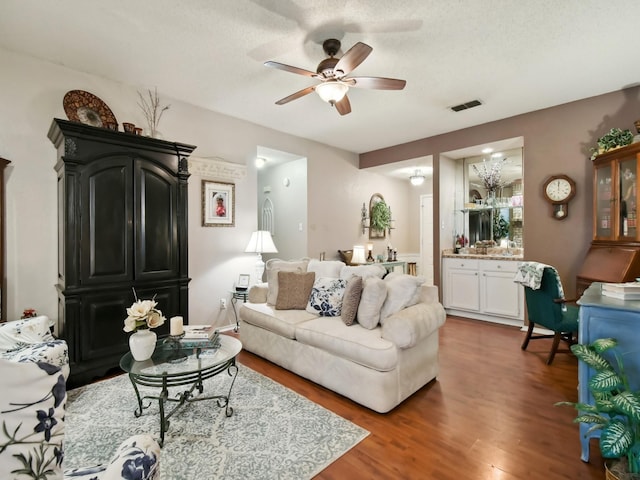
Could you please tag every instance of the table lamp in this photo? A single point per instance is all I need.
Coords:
(358, 255)
(370, 250)
(260, 242)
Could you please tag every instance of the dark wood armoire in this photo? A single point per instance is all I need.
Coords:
(122, 225)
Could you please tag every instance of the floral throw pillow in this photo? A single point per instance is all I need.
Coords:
(326, 297)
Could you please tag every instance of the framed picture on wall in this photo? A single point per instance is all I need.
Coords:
(218, 204)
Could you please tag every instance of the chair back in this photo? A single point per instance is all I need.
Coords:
(541, 307)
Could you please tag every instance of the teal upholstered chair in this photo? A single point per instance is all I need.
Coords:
(547, 308)
(34, 367)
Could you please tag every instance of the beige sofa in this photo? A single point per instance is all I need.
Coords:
(376, 365)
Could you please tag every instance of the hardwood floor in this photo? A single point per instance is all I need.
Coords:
(489, 415)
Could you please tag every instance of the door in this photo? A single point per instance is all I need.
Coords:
(426, 238)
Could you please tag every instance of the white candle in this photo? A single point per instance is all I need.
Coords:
(176, 326)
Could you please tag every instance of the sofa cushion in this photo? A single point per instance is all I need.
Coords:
(328, 268)
(281, 322)
(409, 326)
(345, 256)
(351, 300)
(326, 297)
(294, 289)
(363, 271)
(374, 292)
(273, 266)
(31, 331)
(354, 343)
(402, 291)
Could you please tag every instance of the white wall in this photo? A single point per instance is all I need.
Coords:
(31, 93)
(289, 207)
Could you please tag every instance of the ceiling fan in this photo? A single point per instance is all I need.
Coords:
(332, 73)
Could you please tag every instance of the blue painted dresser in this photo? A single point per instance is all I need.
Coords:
(607, 317)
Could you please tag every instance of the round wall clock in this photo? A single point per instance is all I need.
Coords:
(558, 190)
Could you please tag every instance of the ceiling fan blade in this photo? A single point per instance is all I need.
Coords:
(350, 60)
(294, 96)
(289, 68)
(343, 106)
(377, 83)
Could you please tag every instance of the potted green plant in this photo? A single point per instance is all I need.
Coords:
(380, 216)
(614, 139)
(616, 408)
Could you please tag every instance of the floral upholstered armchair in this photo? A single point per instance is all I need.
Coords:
(34, 367)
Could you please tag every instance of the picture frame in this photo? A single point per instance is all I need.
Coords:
(243, 281)
(218, 204)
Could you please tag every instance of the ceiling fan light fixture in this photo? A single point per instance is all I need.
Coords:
(417, 178)
(332, 91)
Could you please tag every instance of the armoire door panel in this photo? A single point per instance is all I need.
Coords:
(156, 225)
(107, 236)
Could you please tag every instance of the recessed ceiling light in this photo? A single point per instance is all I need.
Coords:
(487, 150)
(260, 162)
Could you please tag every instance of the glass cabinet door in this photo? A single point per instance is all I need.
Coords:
(603, 203)
(628, 227)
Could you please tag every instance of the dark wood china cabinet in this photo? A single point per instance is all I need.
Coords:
(122, 225)
(614, 255)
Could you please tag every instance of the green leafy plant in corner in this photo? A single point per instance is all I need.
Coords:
(380, 216)
(615, 138)
(616, 408)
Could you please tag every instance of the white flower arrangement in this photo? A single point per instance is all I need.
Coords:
(490, 176)
(143, 314)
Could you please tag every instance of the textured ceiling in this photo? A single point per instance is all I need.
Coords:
(514, 56)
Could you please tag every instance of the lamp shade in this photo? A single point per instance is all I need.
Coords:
(332, 91)
(358, 255)
(261, 242)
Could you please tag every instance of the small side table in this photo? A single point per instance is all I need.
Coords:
(235, 296)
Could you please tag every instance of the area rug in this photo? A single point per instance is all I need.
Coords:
(274, 433)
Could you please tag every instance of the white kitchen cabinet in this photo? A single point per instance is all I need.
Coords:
(483, 290)
(461, 285)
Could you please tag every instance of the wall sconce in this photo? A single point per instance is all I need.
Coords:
(364, 218)
(417, 178)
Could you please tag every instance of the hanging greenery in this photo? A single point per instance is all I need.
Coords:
(380, 216)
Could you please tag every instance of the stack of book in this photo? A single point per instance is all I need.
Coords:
(623, 291)
(199, 336)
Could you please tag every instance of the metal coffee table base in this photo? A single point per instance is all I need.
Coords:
(193, 379)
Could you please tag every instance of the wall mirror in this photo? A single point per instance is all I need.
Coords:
(494, 213)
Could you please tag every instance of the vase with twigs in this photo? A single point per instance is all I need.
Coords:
(152, 110)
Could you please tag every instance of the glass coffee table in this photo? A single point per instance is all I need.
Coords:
(165, 369)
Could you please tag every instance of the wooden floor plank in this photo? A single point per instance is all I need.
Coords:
(489, 415)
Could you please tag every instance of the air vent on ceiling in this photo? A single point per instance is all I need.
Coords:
(466, 105)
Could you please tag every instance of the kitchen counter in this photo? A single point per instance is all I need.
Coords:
(514, 254)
